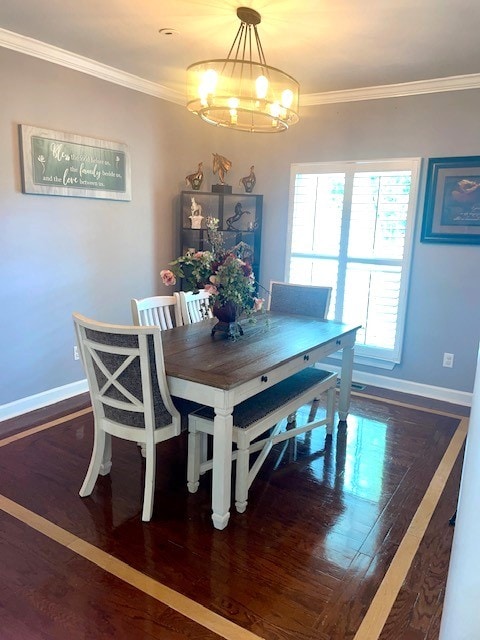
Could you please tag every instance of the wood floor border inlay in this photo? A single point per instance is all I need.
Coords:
(406, 405)
(180, 603)
(381, 605)
(383, 601)
(43, 427)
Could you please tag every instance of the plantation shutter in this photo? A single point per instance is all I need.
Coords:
(350, 227)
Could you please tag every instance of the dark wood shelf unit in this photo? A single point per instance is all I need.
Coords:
(240, 220)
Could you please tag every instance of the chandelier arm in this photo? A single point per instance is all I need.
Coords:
(250, 51)
(237, 37)
(237, 41)
(246, 35)
(261, 55)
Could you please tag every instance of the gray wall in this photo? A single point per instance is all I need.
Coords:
(443, 312)
(62, 254)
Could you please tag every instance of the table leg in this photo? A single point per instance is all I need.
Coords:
(222, 467)
(345, 383)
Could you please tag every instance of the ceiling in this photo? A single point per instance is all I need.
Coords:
(328, 46)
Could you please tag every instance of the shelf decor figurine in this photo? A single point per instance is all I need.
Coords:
(249, 181)
(196, 214)
(238, 213)
(221, 166)
(194, 180)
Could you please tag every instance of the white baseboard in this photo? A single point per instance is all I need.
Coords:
(404, 386)
(407, 386)
(39, 400)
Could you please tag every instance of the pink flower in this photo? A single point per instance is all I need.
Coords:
(168, 277)
(211, 289)
(258, 303)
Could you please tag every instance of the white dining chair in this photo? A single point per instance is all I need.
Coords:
(162, 311)
(194, 306)
(260, 415)
(129, 393)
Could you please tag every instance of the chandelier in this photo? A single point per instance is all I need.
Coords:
(240, 92)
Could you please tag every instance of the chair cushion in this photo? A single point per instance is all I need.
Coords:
(184, 406)
(257, 407)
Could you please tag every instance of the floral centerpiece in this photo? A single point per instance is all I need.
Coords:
(225, 273)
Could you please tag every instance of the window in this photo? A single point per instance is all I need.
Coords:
(351, 227)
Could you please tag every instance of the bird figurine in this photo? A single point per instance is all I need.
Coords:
(195, 179)
(249, 181)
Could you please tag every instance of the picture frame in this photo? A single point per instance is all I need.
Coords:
(452, 201)
(55, 163)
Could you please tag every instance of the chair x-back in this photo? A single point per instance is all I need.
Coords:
(130, 398)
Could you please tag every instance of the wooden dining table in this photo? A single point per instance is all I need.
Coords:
(221, 373)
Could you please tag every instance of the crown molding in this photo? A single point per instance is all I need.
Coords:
(436, 85)
(48, 52)
(38, 49)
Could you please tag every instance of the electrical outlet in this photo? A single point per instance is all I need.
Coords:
(76, 355)
(448, 360)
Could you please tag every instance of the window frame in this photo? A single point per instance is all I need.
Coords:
(366, 354)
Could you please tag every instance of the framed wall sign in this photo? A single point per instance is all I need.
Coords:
(65, 164)
(452, 201)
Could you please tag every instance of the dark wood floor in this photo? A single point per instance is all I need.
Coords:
(305, 561)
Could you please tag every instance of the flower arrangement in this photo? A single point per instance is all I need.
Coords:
(225, 273)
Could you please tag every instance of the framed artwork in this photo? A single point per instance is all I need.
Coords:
(65, 164)
(452, 201)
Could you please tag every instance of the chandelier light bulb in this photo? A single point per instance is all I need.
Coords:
(275, 109)
(261, 86)
(233, 104)
(207, 86)
(209, 80)
(287, 98)
(203, 95)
